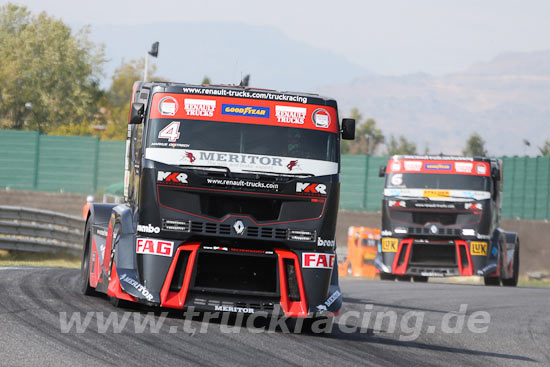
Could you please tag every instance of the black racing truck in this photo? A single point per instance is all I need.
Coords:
(230, 203)
(441, 217)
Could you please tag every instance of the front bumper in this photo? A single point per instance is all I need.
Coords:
(436, 258)
(210, 278)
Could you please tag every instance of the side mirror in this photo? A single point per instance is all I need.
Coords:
(348, 129)
(495, 174)
(136, 113)
(382, 171)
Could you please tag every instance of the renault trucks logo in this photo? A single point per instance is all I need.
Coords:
(317, 260)
(151, 246)
(248, 111)
(168, 106)
(239, 227)
(199, 107)
(290, 115)
(321, 118)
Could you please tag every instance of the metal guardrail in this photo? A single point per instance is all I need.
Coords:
(34, 230)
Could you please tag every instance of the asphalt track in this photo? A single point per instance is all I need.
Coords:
(518, 333)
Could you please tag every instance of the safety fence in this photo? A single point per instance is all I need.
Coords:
(80, 164)
(34, 230)
(30, 161)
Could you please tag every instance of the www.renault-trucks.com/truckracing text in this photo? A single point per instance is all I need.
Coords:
(441, 217)
(231, 198)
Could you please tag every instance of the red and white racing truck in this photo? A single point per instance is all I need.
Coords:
(441, 217)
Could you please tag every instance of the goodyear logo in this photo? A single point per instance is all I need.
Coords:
(478, 248)
(389, 244)
(438, 166)
(249, 111)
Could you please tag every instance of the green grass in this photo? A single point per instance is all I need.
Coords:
(21, 258)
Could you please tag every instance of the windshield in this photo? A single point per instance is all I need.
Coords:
(242, 138)
(438, 181)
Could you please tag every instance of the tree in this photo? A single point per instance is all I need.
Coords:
(48, 76)
(367, 136)
(400, 146)
(116, 105)
(545, 149)
(475, 146)
(206, 80)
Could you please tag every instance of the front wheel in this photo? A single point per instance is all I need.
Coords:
(420, 279)
(85, 287)
(387, 276)
(492, 281)
(513, 281)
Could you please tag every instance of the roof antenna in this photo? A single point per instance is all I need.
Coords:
(245, 80)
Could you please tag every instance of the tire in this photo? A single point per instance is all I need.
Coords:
(420, 279)
(85, 287)
(119, 303)
(513, 281)
(315, 325)
(387, 276)
(492, 281)
(403, 278)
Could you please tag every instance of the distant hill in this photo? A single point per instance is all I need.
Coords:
(505, 100)
(225, 52)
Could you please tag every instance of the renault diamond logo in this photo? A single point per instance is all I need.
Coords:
(239, 227)
(433, 229)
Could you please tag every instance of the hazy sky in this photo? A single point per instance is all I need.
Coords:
(386, 37)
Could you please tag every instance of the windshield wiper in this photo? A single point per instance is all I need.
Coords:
(267, 173)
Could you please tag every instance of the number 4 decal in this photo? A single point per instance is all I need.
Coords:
(171, 132)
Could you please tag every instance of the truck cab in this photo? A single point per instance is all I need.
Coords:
(231, 198)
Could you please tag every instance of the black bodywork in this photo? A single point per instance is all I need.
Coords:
(234, 246)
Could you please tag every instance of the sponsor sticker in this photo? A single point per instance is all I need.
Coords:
(152, 246)
(292, 164)
(290, 115)
(321, 118)
(318, 260)
(437, 193)
(311, 188)
(464, 167)
(325, 243)
(247, 111)
(172, 177)
(149, 228)
(241, 162)
(438, 166)
(168, 106)
(478, 248)
(413, 166)
(139, 287)
(481, 169)
(389, 244)
(199, 107)
(234, 309)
